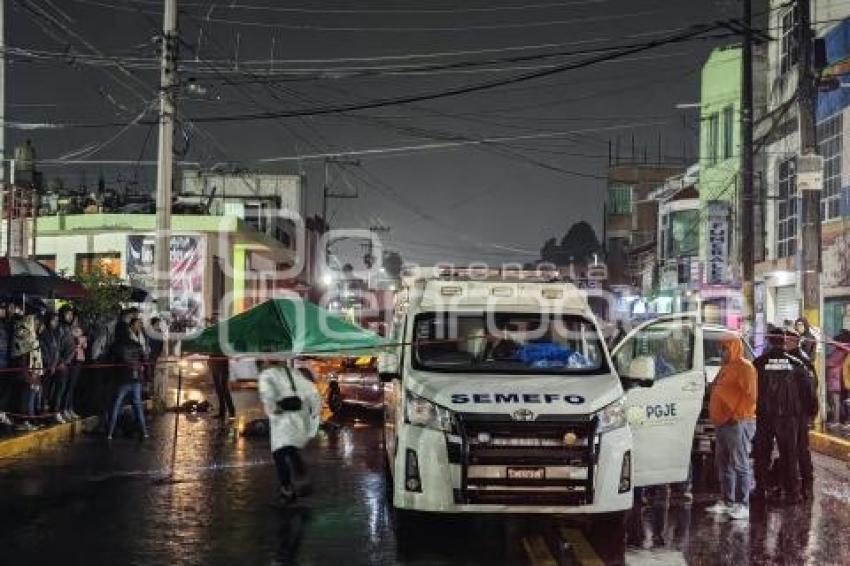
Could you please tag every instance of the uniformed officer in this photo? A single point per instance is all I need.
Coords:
(778, 416)
(808, 410)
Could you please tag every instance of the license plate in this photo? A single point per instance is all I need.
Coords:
(526, 473)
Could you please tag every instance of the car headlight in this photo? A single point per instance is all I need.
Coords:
(612, 416)
(424, 413)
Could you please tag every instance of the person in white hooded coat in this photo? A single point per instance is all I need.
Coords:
(290, 429)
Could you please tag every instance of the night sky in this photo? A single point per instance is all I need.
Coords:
(468, 202)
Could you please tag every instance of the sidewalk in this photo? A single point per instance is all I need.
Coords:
(830, 444)
(36, 440)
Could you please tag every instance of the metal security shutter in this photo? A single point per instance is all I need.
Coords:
(787, 305)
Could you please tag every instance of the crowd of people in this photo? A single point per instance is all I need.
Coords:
(760, 406)
(55, 368)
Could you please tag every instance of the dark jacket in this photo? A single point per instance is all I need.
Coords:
(781, 378)
(809, 386)
(131, 355)
(49, 342)
(5, 344)
(65, 337)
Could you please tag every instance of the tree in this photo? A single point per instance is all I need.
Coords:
(578, 245)
(107, 294)
(581, 241)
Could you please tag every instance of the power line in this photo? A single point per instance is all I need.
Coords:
(450, 144)
(461, 90)
(389, 11)
(384, 29)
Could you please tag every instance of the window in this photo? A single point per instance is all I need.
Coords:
(712, 138)
(728, 132)
(507, 343)
(712, 346)
(109, 261)
(789, 50)
(682, 234)
(669, 343)
(786, 213)
(830, 147)
(254, 217)
(620, 199)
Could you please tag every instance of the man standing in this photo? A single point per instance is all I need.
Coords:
(778, 410)
(807, 410)
(732, 409)
(220, 370)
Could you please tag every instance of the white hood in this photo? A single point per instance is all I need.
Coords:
(542, 394)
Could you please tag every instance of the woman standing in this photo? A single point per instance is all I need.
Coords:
(26, 355)
(293, 406)
(808, 340)
(131, 355)
(72, 353)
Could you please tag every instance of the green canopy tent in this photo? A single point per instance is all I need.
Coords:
(290, 326)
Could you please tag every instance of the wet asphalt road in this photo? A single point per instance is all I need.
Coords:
(205, 500)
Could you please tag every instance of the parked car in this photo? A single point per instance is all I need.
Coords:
(359, 384)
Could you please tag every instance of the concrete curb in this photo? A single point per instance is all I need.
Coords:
(40, 439)
(838, 448)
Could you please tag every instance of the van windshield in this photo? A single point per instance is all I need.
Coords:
(505, 342)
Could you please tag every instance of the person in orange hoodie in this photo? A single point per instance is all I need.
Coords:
(732, 409)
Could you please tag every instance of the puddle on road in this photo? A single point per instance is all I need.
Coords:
(179, 475)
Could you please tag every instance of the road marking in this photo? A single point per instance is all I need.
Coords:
(538, 552)
(581, 548)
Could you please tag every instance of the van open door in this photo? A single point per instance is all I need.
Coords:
(661, 365)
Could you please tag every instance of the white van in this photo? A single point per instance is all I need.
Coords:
(501, 397)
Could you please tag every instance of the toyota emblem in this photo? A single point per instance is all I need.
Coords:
(523, 415)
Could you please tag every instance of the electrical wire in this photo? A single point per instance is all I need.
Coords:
(233, 6)
(460, 90)
(385, 29)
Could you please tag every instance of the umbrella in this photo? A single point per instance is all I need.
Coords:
(20, 276)
(285, 325)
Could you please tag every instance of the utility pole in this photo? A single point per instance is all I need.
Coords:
(326, 189)
(746, 216)
(3, 90)
(165, 156)
(810, 193)
(810, 185)
(164, 179)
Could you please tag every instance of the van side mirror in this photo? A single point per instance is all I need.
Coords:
(641, 371)
(388, 367)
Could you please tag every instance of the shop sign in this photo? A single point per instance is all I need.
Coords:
(717, 252)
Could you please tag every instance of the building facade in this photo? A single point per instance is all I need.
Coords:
(631, 222)
(778, 282)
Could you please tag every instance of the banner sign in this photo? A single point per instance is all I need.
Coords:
(187, 274)
(717, 239)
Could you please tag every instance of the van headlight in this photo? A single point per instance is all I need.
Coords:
(612, 416)
(424, 413)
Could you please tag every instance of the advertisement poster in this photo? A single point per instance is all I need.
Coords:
(187, 274)
(836, 255)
